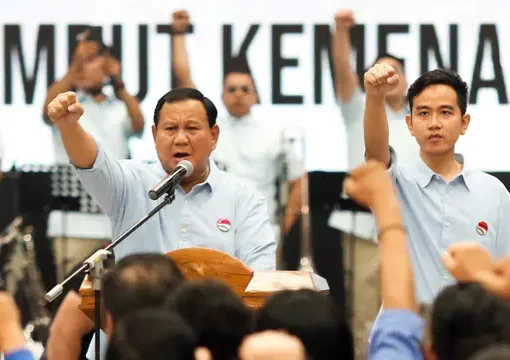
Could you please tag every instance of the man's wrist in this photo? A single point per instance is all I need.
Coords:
(12, 341)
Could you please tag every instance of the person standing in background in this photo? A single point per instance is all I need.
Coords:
(248, 147)
(351, 100)
(114, 118)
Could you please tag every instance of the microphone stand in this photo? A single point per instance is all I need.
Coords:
(95, 267)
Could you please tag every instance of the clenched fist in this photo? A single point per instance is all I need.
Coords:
(380, 79)
(370, 185)
(65, 109)
(180, 21)
(344, 20)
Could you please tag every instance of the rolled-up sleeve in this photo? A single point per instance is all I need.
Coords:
(255, 238)
(398, 335)
(22, 354)
(105, 181)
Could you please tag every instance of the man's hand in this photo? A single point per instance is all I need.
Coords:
(370, 185)
(65, 109)
(112, 65)
(466, 260)
(380, 79)
(180, 21)
(344, 20)
(11, 333)
(497, 279)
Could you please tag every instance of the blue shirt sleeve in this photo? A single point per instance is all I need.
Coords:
(255, 238)
(397, 336)
(105, 181)
(22, 354)
(503, 230)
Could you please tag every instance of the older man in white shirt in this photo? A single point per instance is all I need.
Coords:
(250, 148)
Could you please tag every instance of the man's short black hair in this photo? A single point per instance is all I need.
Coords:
(217, 315)
(440, 76)
(182, 94)
(138, 281)
(465, 319)
(313, 318)
(154, 334)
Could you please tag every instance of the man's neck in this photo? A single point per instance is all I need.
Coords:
(445, 165)
(202, 176)
(396, 103)
(237, 118)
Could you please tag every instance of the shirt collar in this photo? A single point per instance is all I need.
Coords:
(425, 174)
(211, 181)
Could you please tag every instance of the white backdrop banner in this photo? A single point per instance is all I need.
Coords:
(287, 46)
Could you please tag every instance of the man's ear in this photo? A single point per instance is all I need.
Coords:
(215, 131)
(409, 122)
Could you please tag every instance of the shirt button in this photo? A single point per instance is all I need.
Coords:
(447, 224)
(185, 201)
(183, 230)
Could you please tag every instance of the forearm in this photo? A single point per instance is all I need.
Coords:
(397, 281)
(345, 79)
(180, 61)
(58, 87)
(134, 112)
(63, 346)
(80, 146)
(376, 132)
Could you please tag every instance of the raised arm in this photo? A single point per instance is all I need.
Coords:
(180, 61)
(379, 80)
(346, 81)
(101, 175)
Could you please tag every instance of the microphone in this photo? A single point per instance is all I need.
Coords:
(184, 169)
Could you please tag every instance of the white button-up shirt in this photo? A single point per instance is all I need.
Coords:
(254, 150)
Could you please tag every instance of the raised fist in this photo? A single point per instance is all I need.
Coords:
(344, 20)
(180, 21)
(65, 109)
(370, 185)
(380, 79)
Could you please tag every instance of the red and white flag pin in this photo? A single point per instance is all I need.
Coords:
(224, 225)
(482, 228)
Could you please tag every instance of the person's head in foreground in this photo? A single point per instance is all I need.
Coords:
(272, 345)
(155, 334)
(138, 281)
(465, 319)
(313, 318)
(219, 317)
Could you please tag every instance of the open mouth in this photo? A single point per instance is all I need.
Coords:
(181, 155)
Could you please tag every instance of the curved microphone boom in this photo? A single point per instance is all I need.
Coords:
(184, 169)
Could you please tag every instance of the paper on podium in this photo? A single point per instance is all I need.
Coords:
(272, 281)
(364, 226)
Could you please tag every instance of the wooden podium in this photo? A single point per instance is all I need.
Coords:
(254, 287)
